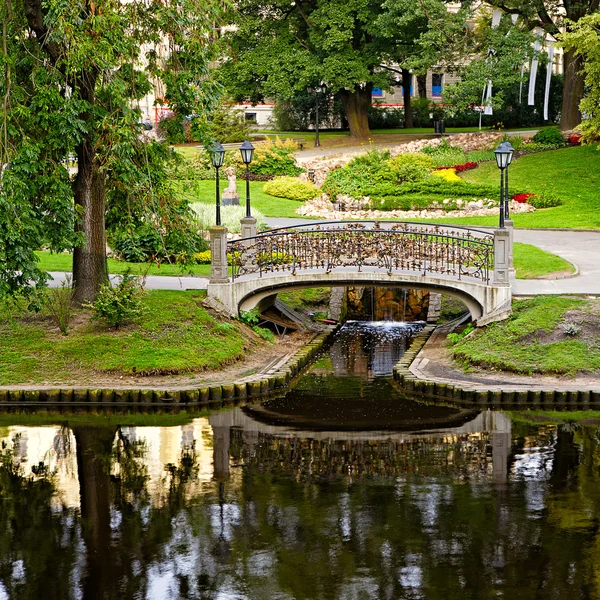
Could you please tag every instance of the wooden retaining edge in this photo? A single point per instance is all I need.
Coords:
(531, 398)
(211, 396)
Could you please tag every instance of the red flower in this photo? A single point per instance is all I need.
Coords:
(574, 139)
(459, 168)
(522, 197)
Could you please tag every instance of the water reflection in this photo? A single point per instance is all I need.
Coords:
(438, 503)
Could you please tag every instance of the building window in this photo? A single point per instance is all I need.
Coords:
(250, 117)
(437, 85)
(377, 93)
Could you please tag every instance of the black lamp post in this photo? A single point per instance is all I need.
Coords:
(503, 157)
(247, 150)
(217, 157)
(321, 88)
(508, 147)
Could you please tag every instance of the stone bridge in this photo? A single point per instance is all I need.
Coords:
(470, 264)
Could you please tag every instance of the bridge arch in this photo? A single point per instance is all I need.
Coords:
(469, 264)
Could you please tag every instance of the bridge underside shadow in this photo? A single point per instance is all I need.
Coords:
(486, 303)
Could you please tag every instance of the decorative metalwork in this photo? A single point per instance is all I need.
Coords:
(366, 245)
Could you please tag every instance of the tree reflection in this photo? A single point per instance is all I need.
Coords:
(304, 518)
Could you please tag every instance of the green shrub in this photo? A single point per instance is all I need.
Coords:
(358, 177)
(264, 333)
(292, 188)
(171, 128)
(250, 317)
(454, 338)
(58, 303)
(551, 136)
(228, 125)
(119, 304)
(547, 199)
(406, 167)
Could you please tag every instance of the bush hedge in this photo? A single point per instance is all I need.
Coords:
(292, 188)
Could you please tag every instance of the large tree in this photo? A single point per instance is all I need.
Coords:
(551, 16)
(277, 48)
(583, 39)
(74, 71)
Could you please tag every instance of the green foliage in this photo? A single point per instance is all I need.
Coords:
(343, 44)
(264, 333)
(550, 136)
(119, 304)
(228, 125)
(72, 82)
(454, 338)
(250, 317)
(547, 199)
(58, 304)
(358, 176)
(171, 128)
(291, 187)
(404, 168)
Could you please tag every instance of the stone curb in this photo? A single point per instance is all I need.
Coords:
(213, 396)
(480, 395)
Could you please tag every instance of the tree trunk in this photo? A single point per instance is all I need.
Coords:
(422, 85)
(572, 91)
(408, 116)
(89, 261)
(356, 106)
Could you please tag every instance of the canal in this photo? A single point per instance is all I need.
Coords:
(342, 488)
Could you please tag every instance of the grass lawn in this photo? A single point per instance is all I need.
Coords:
(269, 206)
(176, 336)
(531, 262)
(64, 262)
(533, 341)
(573, 173)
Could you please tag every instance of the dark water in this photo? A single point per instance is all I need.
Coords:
(344, 488)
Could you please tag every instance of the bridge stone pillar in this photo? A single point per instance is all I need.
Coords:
(509, 224)
(501, 256)
(218, 255)
(248, 228)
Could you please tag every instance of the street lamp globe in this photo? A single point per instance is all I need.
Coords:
(247, 151)
(503, 156)
(217, 155)
(508, 147)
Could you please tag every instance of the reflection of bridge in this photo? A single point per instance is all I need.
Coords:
(256, 422)
(470, 264)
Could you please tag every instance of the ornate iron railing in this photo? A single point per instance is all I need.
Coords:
(389, 246)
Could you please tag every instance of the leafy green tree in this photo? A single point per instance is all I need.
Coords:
(277, 49)
(73, 72)
(511, 46)
(583, 39)
(551, 16)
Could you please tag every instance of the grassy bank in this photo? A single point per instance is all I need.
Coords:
(49, 261)
(177, 336)
(531, 262)
(547, 335)
(269, 206)
(572, 173)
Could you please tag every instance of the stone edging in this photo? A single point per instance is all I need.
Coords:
(407, 379)
(211, 396)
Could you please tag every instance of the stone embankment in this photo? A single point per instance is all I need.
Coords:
(212, 396)
(411, 374)
(322, 208)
